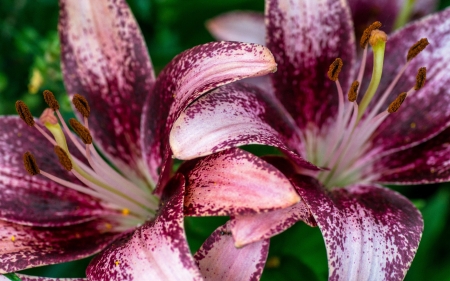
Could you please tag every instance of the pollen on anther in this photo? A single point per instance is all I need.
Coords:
(81, 104)
(117, 262)
(51, 100)
(13, 238)
(335, 69)
(367, 32)
(395, 105)
(352, 93)
(63, 158)
(24, 113)
(125, 212)
(420, 78)
(81, 131)
(30, 164)
(415, 49)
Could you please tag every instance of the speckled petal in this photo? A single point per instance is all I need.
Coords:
(421, 164)
(426, 112)
(188, 76)
(232, 116)
(239, 26)
(104, 58)
(156, 251)
(37, 278)
(306, 36)
(36, 200)
(370, 232)
(219, 259)
(25, 247)
(235, 182)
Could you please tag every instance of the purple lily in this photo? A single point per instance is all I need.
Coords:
(393, 129)
(74, 204)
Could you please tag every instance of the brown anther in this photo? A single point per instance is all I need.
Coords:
(81, 105)
(24, 113)
(63, 158)
(352, 93)
(335, 69)
(51, 100)
(81, 131)
(30, 164)
(377, 37)
(366, 34)
(415, 49)
(421, 78)
(395, 105)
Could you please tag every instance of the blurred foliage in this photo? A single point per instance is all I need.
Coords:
(29, 63)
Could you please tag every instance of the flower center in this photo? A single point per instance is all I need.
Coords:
(132, 203)
(342, 146)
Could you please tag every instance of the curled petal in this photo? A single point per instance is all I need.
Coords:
(38, 278)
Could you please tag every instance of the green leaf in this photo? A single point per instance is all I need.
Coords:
(12, 276)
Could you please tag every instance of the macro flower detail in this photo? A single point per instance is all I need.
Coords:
(370, 118)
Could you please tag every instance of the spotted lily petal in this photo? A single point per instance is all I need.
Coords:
(370, 232)
(305, 38)
(235, 182)
(25, 247)
(156, 251)
(37, 278)
(104, 58)
(219, 259)
(36, 200)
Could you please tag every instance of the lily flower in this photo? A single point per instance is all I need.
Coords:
(69, 203)
(392, 128)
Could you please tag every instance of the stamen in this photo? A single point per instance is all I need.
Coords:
(395, 105)
(420, 78)
(415, 49)
(353, 92)
(63, 158)
(24, 113)
(81, 104)
(81, 131)
(30, 164)
(335, 69)
(366, 34)
(51, 100)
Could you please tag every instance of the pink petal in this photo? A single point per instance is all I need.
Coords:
(235, 182)
(238, 26)
(36, 200)
(188, 76)
(156, 251)
(370, 232)
(37, 278)
(305, 37)
(25, 247)
(219, 259)
(104, 58)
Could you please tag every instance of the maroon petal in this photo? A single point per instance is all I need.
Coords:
(370, 232)
(426, 112)
(187, 77)
(156, 251)
(36, 200)
(25, 247)
(104, 58)
(305, 38)
(235, 182)
(219, 259)
(425, 163)
(38, 278)
(232, 116)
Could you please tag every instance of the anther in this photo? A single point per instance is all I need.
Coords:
(81, 131)
(420, 78)
(366, 34)
(63, 158)
(24, 113)
(30, 164)
(335, 69)
(51, 100)
(81, 105)
(376, 37)
(415, 49)
(352, 93)
(395, 105)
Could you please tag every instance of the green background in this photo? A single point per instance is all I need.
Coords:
(29, 44)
